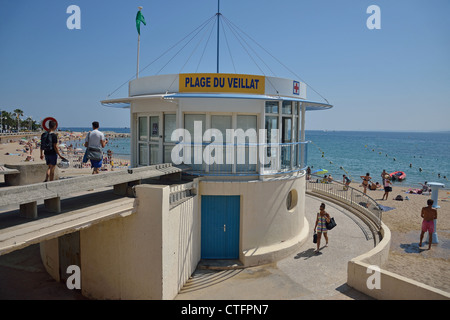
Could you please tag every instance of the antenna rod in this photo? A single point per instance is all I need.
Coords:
(218, 20)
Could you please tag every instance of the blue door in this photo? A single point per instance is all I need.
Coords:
(220, 227)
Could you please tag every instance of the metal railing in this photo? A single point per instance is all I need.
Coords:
(180, 193)
(246, 159)
(348, 195)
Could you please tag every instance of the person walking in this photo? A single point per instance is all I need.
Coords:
(429, 214)
(49, 150)
(320, 227)
(387, 186)
(95, 140)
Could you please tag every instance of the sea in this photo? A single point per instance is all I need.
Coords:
(423, 156)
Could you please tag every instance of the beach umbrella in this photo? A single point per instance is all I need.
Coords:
(320, 171)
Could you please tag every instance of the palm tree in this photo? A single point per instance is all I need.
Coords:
(18, 113)
(7, 119)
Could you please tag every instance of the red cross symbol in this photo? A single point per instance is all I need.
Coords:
(296, 87)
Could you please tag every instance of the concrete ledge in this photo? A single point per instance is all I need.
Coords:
(52, 190)
(276, 252)
(28, 173)
(23, 235)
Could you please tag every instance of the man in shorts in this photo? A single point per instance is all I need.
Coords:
(49, 149)
(96, 139)
(429, 215)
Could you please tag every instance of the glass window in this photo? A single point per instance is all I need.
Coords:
(246, 122)
(143, 129)
(189, 120)
(154, 154)
(271, 123)
(154, 128)
(272, 107)
(221, 123)
(249, 153)
(168, 154)
(143, 154)
(170, 124)
(287, 107)
(287, 130)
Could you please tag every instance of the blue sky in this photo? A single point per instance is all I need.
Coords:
(394, 78)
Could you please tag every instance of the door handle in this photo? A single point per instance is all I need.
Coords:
(224, 228)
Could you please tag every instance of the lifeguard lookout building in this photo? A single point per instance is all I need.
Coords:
(241, 139)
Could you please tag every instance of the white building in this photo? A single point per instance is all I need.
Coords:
(252, 210)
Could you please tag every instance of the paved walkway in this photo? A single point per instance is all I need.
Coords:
(303, 275)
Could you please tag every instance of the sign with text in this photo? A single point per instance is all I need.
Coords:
(221, 83)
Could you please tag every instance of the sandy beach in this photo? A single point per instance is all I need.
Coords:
(17, 151)
(406, 257)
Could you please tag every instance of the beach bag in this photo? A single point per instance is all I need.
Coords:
(315, 238)
(399, 198)
(93, 153)
(330, 225)
(46, 141)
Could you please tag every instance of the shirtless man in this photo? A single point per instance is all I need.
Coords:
(428, 214)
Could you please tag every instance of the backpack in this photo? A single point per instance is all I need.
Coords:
(399, 198)
(46, 141)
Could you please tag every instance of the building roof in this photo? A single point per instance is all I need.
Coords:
(125, 102)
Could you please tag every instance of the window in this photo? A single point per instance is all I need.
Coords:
(249, 153)
(143, 128)
(292, 200)
(287, 107)
(170, 125)
(197, 162)
(189, 120)
(221, 123)
(272, 107)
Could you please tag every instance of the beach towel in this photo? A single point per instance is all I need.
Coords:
(385, 208)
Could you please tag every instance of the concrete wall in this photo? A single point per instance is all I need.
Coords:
(269, 231)
(49, 250)
(29, 173)
(147, 255)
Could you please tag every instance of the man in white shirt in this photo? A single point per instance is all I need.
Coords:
(95, 139)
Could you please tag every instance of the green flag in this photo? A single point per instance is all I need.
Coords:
(139, 19)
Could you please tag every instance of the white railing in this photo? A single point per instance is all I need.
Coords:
(348, 195)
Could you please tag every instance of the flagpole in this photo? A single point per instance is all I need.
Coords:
(137, 69)
(138, 48)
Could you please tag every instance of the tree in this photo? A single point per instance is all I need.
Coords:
(7, 119)
(18, 113)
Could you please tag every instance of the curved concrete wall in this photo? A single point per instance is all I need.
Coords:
(269, 230)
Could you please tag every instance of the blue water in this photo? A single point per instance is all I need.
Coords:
(359, 153)
(119, 146)
(103, 129)
(356, 153)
